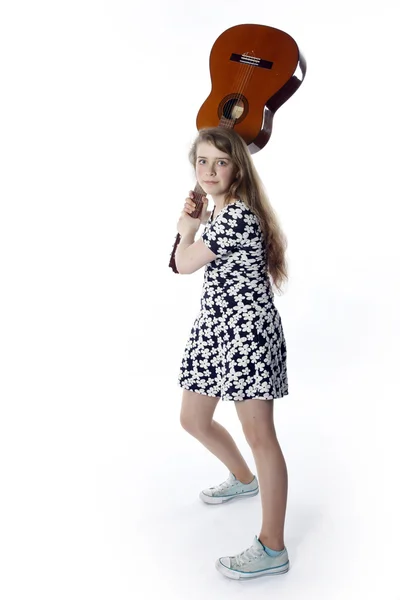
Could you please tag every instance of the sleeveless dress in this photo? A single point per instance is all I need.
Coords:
(236, 349)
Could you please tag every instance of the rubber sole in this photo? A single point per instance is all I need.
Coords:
(232, 574)
(223, 499)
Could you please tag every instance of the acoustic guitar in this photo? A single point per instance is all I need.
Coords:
(254, 69)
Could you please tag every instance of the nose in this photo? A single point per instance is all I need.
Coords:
(211, 170)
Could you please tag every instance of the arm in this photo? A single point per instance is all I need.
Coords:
(190, 256)
(184, 243)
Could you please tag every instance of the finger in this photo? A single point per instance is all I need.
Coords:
(188, 206)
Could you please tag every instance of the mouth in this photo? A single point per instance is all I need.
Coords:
(210, 182)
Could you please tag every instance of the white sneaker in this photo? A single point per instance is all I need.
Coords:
(228, 490)
(253, 562)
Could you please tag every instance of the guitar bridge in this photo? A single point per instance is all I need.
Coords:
(252, 61)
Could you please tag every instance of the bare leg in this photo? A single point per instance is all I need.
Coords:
(197, 419)
(220, 442)
(256, 417)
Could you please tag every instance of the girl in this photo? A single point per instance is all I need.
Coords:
(236, 350)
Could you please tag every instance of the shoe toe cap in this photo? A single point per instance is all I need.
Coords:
(225, 561)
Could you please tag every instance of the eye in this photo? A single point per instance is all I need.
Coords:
(201, 161)
(222, 162)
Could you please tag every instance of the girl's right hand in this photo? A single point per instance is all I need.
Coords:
(190, 205)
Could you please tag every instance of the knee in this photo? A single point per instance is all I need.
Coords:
(259, 436)
(194, 425)
(186, 422)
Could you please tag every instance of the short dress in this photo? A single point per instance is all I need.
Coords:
(236, 349)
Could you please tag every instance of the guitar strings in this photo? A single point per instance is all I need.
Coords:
(243, 77)
(239, 85)
(248, 75)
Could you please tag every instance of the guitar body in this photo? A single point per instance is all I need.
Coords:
(254, 69)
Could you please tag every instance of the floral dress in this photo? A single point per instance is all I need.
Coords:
(236, 349)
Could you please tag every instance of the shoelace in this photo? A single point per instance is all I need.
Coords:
(222, 486)
(248, 555)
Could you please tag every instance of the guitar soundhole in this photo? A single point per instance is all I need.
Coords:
(233, 107)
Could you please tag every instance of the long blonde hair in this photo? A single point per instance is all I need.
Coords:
(249, 188)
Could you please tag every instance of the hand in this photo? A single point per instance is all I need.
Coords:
(190, 205)
(188, 225)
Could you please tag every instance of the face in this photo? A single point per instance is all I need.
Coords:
(214, 170)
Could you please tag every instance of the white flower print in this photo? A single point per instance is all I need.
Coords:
(236, 348)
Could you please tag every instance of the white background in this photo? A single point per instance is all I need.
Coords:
(99, 482)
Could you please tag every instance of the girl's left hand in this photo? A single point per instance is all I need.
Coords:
(187, 225)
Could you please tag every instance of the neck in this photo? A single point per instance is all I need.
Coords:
(220, 203)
